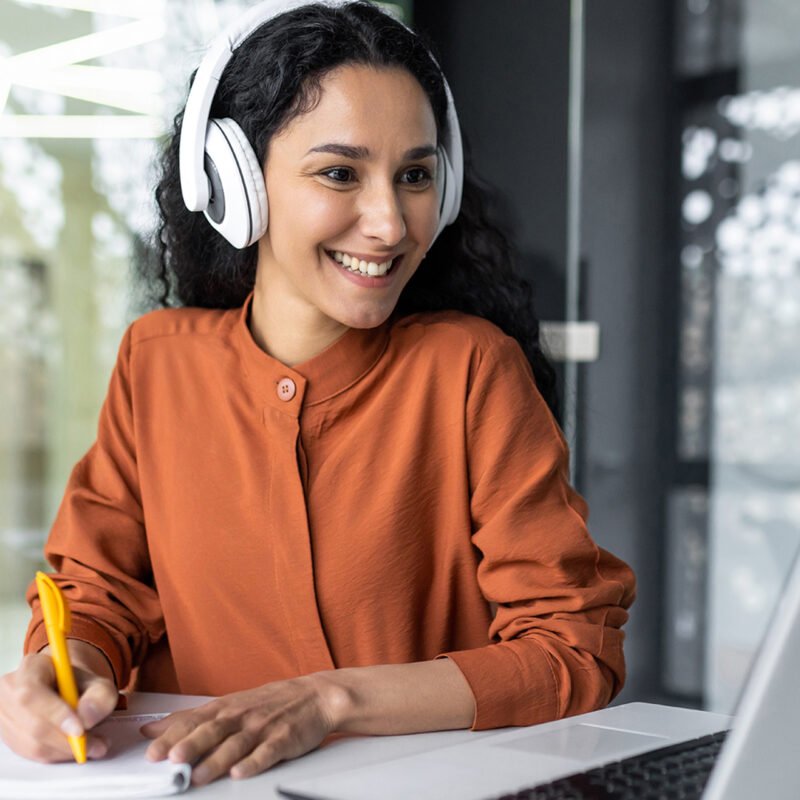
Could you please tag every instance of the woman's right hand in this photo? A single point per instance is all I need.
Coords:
(35, 721)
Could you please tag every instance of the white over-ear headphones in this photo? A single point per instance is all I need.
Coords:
(220, 174)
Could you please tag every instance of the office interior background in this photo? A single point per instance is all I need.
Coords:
(645, 155)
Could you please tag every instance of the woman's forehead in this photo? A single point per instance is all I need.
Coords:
(363, 105)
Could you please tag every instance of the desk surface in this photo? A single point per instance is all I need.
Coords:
(339, 752)
(342, 752)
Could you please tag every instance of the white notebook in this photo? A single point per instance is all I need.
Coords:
(124, 772)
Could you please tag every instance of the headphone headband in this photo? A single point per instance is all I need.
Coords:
(196, 183)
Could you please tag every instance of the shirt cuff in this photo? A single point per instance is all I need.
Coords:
(512, 683)
(85, 631)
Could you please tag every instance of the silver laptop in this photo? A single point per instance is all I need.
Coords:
(760, 756)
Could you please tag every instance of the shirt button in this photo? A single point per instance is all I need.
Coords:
(286, 389)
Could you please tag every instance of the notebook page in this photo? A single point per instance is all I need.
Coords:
(123, 773)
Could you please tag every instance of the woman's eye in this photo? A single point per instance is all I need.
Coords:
(338, 174)
(418, 175)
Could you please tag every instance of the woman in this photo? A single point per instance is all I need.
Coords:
(329, 489)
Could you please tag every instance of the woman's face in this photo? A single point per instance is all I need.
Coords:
(353, 179)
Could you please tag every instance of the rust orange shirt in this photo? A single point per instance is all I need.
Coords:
(238, 521)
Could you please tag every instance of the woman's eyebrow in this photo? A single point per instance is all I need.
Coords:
(357, 152)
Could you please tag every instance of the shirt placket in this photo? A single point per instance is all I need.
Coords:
(293, 559)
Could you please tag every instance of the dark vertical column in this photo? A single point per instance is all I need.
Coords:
(623, 243)
(507, 64)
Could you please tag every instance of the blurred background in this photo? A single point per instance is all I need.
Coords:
(645, 154)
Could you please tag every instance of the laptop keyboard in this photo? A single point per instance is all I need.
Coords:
(679, 771)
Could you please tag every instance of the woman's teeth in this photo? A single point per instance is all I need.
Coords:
(362, 267)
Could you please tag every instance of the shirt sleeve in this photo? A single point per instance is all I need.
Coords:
(556, 643)
(97, 544)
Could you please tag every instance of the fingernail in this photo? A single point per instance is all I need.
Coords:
(97, 749)
(199, 775)
(176, 756)
(92, 714)
(154, 754)
(72, 727)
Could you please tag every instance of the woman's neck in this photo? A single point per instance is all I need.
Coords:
(290, 333)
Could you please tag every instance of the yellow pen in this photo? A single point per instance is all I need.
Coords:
(57, 622)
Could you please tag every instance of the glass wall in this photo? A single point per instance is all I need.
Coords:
(734, 523)
(76, 140)
(755, 500)
(88, 89)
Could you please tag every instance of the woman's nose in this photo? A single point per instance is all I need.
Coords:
(381, 214)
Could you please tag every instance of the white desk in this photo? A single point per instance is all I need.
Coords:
(343, 752)
(338, 752)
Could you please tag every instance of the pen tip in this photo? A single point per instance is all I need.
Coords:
(78, 746)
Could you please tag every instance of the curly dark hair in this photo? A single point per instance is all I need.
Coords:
(273, 77)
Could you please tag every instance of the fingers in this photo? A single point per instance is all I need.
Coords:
(33, 717)
(242, 755)
(35, 721)
(230, 748)
(203, 739)
(231, 751)
(36, 699)
(154, 729)
(266, 755)
(242, 734)
(168, 732)
(98, 697)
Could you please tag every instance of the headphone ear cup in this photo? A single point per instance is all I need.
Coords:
(450, 206)
(238, 205)
(446, 189)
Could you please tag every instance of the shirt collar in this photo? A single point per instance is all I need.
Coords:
(328, 373)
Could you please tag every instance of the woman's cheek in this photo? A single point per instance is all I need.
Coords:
(326, 211)
(427, 217)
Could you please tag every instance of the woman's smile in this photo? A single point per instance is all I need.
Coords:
(368, 270)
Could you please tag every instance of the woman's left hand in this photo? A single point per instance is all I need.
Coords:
(244, 733)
